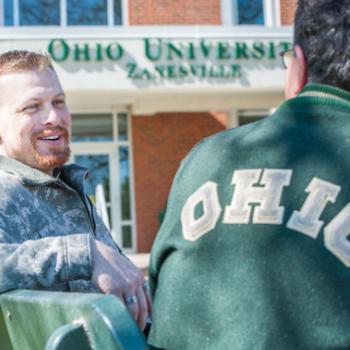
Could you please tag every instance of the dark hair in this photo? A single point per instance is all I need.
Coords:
(322, 29)
(22, 60)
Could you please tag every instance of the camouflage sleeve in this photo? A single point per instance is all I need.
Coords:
(43, 263)
(102, 233)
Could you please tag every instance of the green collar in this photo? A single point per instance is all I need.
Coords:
(71, 175)
(325, 91)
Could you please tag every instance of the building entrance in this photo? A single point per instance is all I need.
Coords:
(100, 143)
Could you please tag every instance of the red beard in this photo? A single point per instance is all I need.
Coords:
(56, 158)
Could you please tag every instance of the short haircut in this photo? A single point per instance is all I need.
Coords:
(322, 29)
(22, 60)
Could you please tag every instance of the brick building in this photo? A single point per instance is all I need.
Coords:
(148, 79)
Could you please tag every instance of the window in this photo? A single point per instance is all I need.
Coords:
(62, 12)
(8, 13)
(92, 128)
(86, 12)
(39, 13)
(250, 12)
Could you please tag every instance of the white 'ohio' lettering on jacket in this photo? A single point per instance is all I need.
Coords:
(264, 187)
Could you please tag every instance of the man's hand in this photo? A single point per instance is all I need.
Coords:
(114, 274)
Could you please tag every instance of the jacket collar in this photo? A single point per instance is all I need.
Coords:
(71, 175)
(325, 91)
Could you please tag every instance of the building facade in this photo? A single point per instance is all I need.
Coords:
(146, 80)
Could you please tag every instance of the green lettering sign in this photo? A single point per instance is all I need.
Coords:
(258, 50)
(81, 53)
(191, 51)
(173, 51)
(241, 51)
(58, 50)
(223, 49)
(99, 52)
(114, 52)
(153, 53)
(181, 59)
(272, 50)
(205, 48)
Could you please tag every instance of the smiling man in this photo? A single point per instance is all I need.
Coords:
(51, 236)
(35, 125)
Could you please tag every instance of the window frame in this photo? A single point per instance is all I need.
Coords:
(63, 15)
(272, 13)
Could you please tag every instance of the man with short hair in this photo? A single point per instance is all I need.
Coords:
(51, 236)
(254, 252)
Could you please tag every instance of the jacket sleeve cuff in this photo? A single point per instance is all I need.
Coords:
(77, 256)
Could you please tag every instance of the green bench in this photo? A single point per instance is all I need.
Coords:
(42, 320)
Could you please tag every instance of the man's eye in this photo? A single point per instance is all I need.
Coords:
(31, 108)
(59, 103)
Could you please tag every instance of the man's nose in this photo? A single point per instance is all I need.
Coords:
(51, 117)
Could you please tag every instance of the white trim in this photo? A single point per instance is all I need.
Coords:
(92, 147)
(253, 113)
(15, 13)
(125, 12)
(114, 185)
(77, 109)
(232, 119)
(226, 12)
(272, 13)
(137, 32)
(277, 7)
(269, 16)
(234, 12)
(63, 13)
(2, 13)
(132, 185)
(110, 13)
(116, 197)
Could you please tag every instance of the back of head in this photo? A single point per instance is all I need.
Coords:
(322, 29)
(17, 61)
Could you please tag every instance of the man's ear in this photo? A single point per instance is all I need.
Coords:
(297, 73)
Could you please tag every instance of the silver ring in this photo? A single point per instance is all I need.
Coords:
(131, 300)
(145, 287)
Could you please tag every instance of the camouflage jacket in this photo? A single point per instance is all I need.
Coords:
(45, 228)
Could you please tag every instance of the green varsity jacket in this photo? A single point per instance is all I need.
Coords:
(254, 252)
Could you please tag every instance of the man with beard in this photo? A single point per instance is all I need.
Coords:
(254, 250)
(50, 234)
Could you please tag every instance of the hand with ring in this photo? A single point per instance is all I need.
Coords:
(115, 274)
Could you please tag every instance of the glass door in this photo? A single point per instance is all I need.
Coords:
(99, 175)
(100, 162)
(101, 143)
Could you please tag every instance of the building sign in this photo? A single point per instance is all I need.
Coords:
(172, 59)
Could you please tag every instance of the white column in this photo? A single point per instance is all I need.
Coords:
(227, 11)
(232, 119)
(125, 13)
(272, 13)
(63, 13)
(110, 13)
(277, 10)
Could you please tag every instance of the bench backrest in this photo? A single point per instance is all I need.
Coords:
(65, 321)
